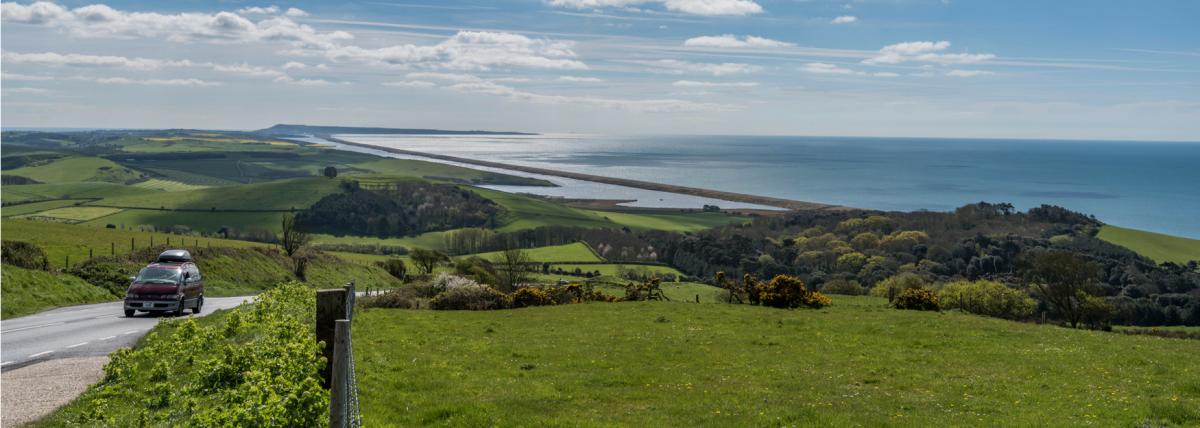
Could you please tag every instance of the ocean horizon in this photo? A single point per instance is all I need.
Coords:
(1138, 184)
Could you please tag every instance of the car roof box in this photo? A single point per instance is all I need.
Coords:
(175, 256)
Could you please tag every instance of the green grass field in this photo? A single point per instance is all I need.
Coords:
(167, 185)
(524, 212)
(61, 240)
(92, 190)
(1156, 246)
(275, 195)
(78, 169)
(33, 207)
(855, 363)
(573, 252)
(75, 214)
(27, 291)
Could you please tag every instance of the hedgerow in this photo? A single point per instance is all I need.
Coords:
(254, 366)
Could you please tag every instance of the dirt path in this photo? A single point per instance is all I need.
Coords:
(34, 391)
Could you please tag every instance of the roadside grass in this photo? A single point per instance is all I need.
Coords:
(1156, 246)
(75, 214)
(27, 291)
(34, 207)
(855, 363)
(78, 169)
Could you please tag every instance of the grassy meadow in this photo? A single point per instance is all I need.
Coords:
(1156, 246)
(27, 291)
(855, 363)
(60, 241)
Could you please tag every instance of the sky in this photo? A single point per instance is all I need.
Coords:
(1064, 69)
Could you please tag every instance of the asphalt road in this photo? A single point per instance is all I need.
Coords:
(81, 331)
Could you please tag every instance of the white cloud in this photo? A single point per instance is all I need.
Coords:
(825, 68)
(81, 60)
(247, 70)
(295, 13)
(23, 77)
(696, 84)
(695, 7)
(257, 10)
(305, 82)
(411, 84)
(968, 73)
(844, 19)
(651, 105)
(924, 51)
(885, 74)
(26, 91)
(100, 20)
(294, 65)
(449, 77)
(732, 41)
(577, 79)
(148, 82)
(674, 66)
(468, 50)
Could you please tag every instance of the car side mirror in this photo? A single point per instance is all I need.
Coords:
(132, 278)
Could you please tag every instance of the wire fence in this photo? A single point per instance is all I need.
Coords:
(338, 306)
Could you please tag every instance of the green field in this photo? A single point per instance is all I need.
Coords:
(275, 195)
(27, 291)
(61, 240)
(573, 252)
(524, 212)
(1156, 246)
(91, 190)
(74, 214)
(78, 169)
(167, 185)
(855, 363)
(33, 207)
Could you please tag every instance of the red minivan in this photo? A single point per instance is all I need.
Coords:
(170, 284)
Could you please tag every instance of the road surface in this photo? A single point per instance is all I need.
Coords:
(81, 331)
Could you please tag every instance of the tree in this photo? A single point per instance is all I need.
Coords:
(427, 260)
(513, 269)
(1063, 280)
(394, 266)
(330, 172)
(291, 238)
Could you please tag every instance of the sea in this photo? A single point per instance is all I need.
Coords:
(1152, 186)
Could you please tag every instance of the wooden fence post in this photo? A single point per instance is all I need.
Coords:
(339, 392)
(131, 247)
(113, 248)
(331, 306)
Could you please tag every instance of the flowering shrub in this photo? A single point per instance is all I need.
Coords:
(256, 366)
(786, 291)
(918, 299)
(531, 296)
(444, 282)
(465, 294)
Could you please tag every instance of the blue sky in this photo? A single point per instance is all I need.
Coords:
(936, 68)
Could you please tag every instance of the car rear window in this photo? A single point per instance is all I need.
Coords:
(159, 274)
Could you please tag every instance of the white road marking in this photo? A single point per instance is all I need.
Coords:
(40, 354)
(6, 363)
(32, 327)
(77, 345)
(130, 332)
(109, 337)
(106, 316)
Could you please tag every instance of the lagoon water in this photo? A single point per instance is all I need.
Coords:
(1145, 185)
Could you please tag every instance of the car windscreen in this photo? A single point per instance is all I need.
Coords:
(159, 275)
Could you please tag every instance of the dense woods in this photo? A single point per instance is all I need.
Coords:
(982, 241)
(399, 209)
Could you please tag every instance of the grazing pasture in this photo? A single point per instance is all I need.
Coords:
(1156, 246)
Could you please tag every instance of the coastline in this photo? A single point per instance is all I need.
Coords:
(637, 184)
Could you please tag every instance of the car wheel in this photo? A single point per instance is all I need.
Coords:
(129, 313)
(179, 309)
(199, 303)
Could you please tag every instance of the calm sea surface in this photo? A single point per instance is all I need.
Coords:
(1144, 185)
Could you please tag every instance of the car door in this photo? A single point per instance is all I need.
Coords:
(190, 284)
